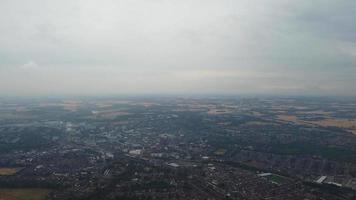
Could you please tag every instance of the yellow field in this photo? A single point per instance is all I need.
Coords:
(6, 171)
(23, 194)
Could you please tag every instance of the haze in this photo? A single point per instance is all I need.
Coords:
(179, 46)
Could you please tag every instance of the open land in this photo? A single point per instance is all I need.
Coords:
(23, 194)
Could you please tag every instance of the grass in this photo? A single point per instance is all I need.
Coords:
(23, 194)
(277, 179)
(220, 152)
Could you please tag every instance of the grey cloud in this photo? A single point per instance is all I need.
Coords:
(332, 19)
(227, 46)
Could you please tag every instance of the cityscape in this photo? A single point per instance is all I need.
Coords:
(179, 148)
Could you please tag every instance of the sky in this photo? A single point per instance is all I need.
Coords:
(87, 47)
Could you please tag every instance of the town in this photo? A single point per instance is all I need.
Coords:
(179, 148)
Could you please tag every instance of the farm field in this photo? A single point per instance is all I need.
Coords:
(6, 171)
(23, 194)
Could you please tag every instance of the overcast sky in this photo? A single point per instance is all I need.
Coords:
(177, 46)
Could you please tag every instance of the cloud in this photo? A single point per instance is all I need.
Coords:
(31, 65)
(221, 46)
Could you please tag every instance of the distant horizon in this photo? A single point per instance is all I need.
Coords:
(171, 95)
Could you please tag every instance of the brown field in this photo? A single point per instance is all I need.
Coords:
(71, 107)
(316, 112)
(21, 109)
(353, 132)
(110, 114)
(209, 108)
(255, 113)
(224, 123)
(219, 111)
(342, 123)
(107, 104)
(299, 107)
(286, 107)
(6, 171)
(348, 124)
(289, 118)
(257, 123)
(147, 104)
(67, 105)
(23, 194)
(17, 115)
(186, 109)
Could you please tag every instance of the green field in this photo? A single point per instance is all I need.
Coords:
(277, 179)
